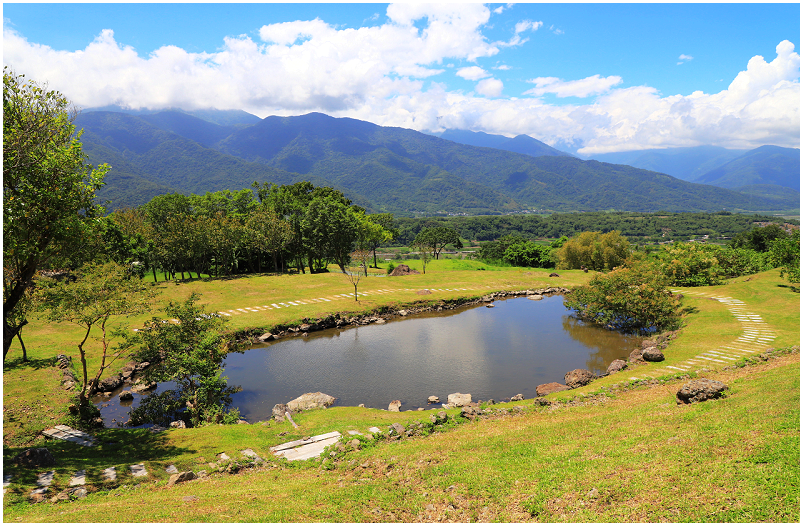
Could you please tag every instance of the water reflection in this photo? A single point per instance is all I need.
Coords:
(490, 353)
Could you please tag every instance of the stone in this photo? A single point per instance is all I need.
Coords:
(110, 474)
(279, 411)
(554, 275)
(578, 378)
(243, 422)
(171, 469)
(424, 292)
(374, 429)
(536, 297)
(652, 354)
(433, 400)
(190, 498)
(442, 416)
(458, 399)
(142, 366)
(183, 476)
(402, 312)
(35, 457)
(45, 479)
(138, 470)
(616, 366)
(38, 494)
(552, 387)
(69, 434)
(490, 306)
(78, 479)
(380, 321)
(361, 405)
(395, 405)
(126, 395)
(266, 337)
(249, 453)
(396, 429)
(109, 384)
(517, 398)
(541, 401)
(78, 493)
(700, 390)
(178, 424)
(470, 410)
(223, 456)
(143, 386)
(355, 443)
(636, 356)
(310, 401)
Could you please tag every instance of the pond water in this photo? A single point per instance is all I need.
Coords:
(487, 352)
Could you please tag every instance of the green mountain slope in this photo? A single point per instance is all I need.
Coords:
(767, 165)
(687, 164)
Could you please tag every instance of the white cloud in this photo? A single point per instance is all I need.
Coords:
(685, 57)
(502, 67)
(472, 73)
(526, 25)
(379, 74)
(490, 87)
(573, 88)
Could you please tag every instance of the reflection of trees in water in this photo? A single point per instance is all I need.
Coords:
(608, 345)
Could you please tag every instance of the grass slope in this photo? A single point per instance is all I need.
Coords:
(598, 454)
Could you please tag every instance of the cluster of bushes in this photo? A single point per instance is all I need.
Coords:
(515, 250)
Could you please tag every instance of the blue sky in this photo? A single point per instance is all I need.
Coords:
(603, 76)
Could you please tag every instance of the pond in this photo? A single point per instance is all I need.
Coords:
(491, 353)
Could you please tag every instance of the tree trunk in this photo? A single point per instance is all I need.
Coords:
(22, 344)
(155, 278)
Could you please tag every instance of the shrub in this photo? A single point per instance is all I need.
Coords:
(594, 251)
(785, 253)
(690, 265)
(632, 300)
(528, 254)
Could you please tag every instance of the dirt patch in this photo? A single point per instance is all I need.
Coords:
(403, 270)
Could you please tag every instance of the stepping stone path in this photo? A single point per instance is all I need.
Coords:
(171, 469)
(306, 449)
(45, 479)
(348, 295)
(223, 456)
(71, 435)
(110, 474)
(78, 479)
(756, 337)
(138, 470)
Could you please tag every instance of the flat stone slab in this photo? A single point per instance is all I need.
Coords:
(46, 478)
(171, 469)
(110, 474)
(223, 456)
(249, 453)
(6, 480)
(353, 433)
(374, 430)
(138, 470)
(63, 432)
(78, 479)
(311, 440)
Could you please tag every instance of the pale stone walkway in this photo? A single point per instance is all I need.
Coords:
(334, 297)
(756, 337)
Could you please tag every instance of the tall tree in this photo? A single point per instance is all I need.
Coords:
(370, 238)
(437, 238)
(48, 189)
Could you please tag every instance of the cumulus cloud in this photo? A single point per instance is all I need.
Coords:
(573, 88)
(388, 74)
(684, 58)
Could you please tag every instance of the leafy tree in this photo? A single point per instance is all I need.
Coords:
(528, 254)
(495, 250)
(48, 189)
(594, 251)
(690, 265)
(191, 353)
(785, 253)
(267, 233)
(436, 238)
(101, 291)
(373, 238)
(759, 238)
(331, 227)
(633, 300)
(358, 269)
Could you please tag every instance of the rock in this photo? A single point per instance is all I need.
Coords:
(402, 312)
(240, 421)
(396, 429)
(128, 370)
(109, 384)
(403, 270)
(433, 399)
(355, 443)
(578, 378)
(183, 476)
(648, 343)
(636, 356)
(517, 398)
(552, 387)
(700, 390)
(78, 493)
(536, 297)
(490, 306)
(140, 387)
(616, 366)
(64, 361)
(380, 321)
(423, 292)
(35, 457)
(279, 411)
(458, 399)
(471, 410)
(541, 401)
(652, 354)
(142, 366)
(310, 401)
(126, 395)
(266, 337)
(178, 424)
(394, 405)
(554, 275)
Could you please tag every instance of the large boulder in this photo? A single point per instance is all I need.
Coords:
(183, 476)
(616, 366)
(311, 401)
(652, 354)
(279, 411)
(35, 457)
(578, 378)
(700, 390)
(636, 356)
(458, 399)
(403, 270)
(394, 405)
(109, 384)
(552, 387)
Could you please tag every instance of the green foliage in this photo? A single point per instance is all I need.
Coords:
(48, 189)
(436, 238)
(759, 238)
(785, 253)
(633, 300)
(190, 353)
(495, 250)
(528, 254)
(594, 251)
(690, 265)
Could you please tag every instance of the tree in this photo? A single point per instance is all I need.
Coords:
(436, 238)
(373, 238)
(359, 260)
(425, 250)
(785, 253)
(267, 233)
(48, 189)
(100, 293)
(594, 251)
(190, 353)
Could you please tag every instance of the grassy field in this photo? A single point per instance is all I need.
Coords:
(612, 451)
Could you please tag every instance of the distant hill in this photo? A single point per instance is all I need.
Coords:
(767, 165)
(382, 168)
(220, 117)
(688, 164)
(524, 144)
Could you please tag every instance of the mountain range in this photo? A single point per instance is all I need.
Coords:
(393, 169)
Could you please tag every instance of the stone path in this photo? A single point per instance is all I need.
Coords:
(62, 432)
(296, 303)
(305, 449)
(756, 337)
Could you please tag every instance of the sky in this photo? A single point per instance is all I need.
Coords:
(595, 78)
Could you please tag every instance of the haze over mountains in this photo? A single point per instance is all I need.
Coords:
(408, 172)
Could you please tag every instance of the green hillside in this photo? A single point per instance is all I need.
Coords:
(767, 165)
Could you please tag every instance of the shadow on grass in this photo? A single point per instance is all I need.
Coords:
(32, 363)
(114, 447)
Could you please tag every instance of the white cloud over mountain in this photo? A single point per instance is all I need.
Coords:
(397, 74)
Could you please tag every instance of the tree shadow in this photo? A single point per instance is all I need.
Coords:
(32, 363)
